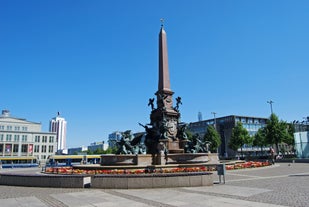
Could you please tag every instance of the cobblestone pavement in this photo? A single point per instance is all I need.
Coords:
(283, 184)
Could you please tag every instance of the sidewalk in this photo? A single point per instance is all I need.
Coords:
(280, 185)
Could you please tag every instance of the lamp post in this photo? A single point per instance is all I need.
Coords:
(271, 105)
(214, 113)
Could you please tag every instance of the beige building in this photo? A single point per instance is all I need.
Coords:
(19, 137)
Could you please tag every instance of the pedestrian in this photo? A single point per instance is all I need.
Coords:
(272, 155)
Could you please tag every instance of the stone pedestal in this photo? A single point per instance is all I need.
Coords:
(173, 146)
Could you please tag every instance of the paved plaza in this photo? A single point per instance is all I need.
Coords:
(284, 184)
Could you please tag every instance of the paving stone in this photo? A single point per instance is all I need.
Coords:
(281, 185)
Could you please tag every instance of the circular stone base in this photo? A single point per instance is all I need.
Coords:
(131, 181)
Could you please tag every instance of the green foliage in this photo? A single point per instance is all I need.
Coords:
(88, 152)
(110, 150)
(189, 134)
(240, 136)
(260, 138)
(289, 139)
(100, 151)
(277, 131)
(213, 137)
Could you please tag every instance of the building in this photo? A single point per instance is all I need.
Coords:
(92, 147)
(301, 137)
(113, 138)
(77, 150)
(224, 126)
(302, 144)
(19, 137)
(98, 145)
(59, 125)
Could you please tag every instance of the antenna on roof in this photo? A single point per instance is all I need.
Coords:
(199, 115)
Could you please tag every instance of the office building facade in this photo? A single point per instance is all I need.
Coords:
(224, 126)
(113, 138)
(19, 137)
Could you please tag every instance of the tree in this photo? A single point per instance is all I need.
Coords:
(98, 151)
(260, 138)
(240, 136)
(88, 152)
(277, 131)
(110, 150)
(189, 134)
(289, 139)
(213, 137)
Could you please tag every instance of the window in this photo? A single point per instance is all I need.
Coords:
(25, 128)
(1, 127)
(1, 137)
(51, 139)
(17, 128)
(43, 157)
(36, 148)
(24, 148)
(50, 148)
(44, 139)
(37, 138)
(24, 138)
(9, 128)
(16, 138)
(43, 148)
(15, 148)
(8, 137)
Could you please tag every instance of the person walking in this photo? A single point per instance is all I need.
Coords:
(272, 155)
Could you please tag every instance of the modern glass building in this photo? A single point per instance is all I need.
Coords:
(224, 126)
(301, 137)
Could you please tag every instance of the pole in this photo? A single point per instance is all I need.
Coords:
(271, 105)
(214, 113)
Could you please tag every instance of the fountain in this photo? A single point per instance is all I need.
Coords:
(163, 157)
(163, 154)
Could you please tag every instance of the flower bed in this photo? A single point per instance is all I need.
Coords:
(235, 166)
(250, 164)
(70, 170)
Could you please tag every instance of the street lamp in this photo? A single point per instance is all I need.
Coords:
(214, 113)
(271, 105)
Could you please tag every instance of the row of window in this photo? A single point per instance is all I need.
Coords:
(16, 128)
(24, 138)
(253, 127)
(43, 148)
(44, 139)
(9, 148)
(24, 148)
(250, 120)
(9, 138)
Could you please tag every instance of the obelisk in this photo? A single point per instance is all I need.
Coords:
(165, 117)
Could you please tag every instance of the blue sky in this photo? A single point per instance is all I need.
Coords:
(96, 62)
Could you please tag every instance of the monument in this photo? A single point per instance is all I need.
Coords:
(165, 141)
(163, 134)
